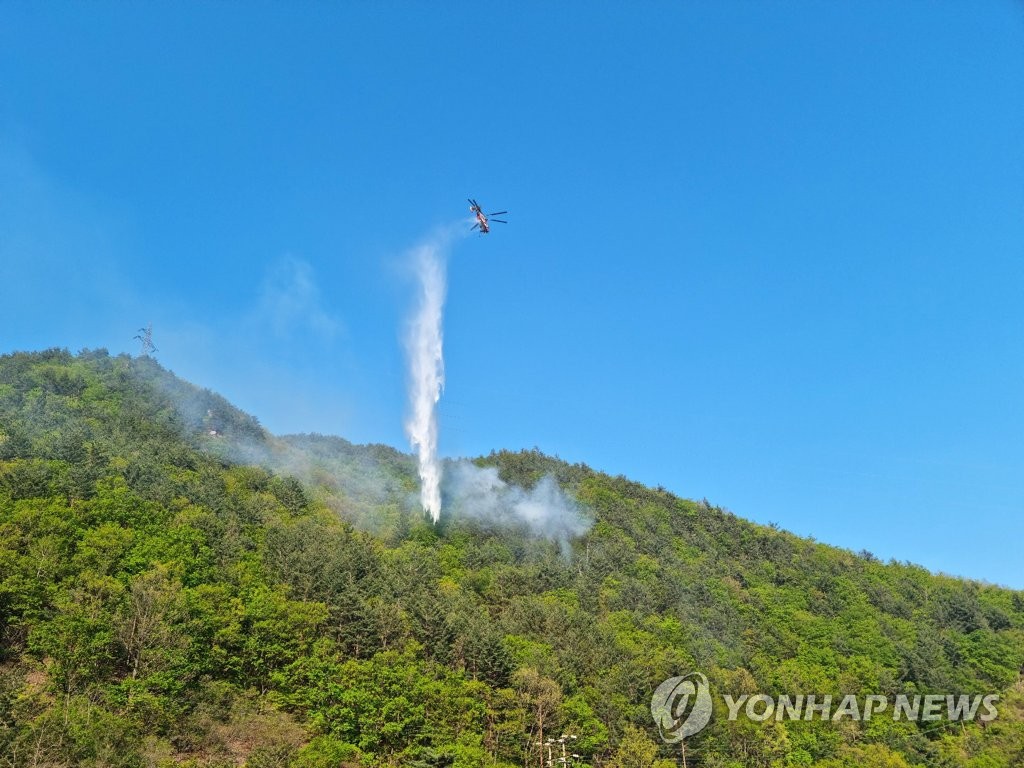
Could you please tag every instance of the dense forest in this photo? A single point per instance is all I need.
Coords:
(178, 587)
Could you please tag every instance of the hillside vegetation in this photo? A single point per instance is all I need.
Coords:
(166, 599)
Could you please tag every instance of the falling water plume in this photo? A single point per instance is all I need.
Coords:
(424, 348)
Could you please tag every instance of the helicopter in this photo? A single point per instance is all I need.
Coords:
(483, 219)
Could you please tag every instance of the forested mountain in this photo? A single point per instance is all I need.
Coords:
(180, 588)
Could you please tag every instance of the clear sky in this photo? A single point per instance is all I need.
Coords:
(770, 254)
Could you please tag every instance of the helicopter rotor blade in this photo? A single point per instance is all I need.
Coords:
(500, 221)
(497, 213)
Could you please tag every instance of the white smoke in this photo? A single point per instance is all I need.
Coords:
(544, 510)
(291, 303)
(424, 343)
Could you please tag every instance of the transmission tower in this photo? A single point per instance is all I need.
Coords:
(145, 337)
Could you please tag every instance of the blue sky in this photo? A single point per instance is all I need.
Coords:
(768, 254)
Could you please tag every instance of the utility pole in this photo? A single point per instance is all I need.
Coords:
(552, 744)
(565, 759)
(541, 744)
